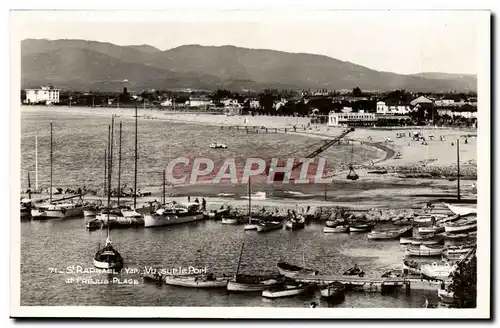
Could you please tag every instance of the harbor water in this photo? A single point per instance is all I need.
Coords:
(49, 248)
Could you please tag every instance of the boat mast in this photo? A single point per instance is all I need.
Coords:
(249, 203)
(163, 186)
(29, 186)
(135, 167)
(36, 163)
(108, 177)
(50, 199)
(119, 164)
(105, 188)
(239, 261)
(458, 169)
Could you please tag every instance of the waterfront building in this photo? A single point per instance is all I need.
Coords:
(349, 119)
(45, 95)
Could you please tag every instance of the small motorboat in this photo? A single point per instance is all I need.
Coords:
(337, 229)
(269, 226)
(252, 224)
(108, 258)
(288, 289)
(426, 251)
(405, 240)
(459, 249)
(330, 223)
(204, 281)
(357, 227)
(431, 229)
(94, 224)
(354, 271)
(461, 226)
(218, 145)
(290, 271)
(390, 234)
(296, 224)
(335, 290)
(252, 283)
(230, 220)
(446, 296)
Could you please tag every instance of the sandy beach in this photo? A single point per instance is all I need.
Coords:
(370, 190)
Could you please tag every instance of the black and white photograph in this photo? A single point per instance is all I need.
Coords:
(199, 164)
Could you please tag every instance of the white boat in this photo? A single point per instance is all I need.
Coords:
(330, 223)
(290, 271)
(173, 215)
(418, 251)
(422, 220)
(446, 296)
(405, 240)
(218, 145)
(241, 285)
(390, 234)
(461, 227)
(269, 226)
(459, 250)
(360, 227)
(461, 210)
(251, 226)
(64, 210)
(204, 281)
(431, 229)
(259, 195)
(88, 212)
(287, 290)
(131, 213)
(232, 220)
(337, 229)
(38, 213)
(431, 247)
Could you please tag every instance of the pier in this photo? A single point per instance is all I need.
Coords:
(372, 284)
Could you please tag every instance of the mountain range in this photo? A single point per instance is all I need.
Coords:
(99, 66)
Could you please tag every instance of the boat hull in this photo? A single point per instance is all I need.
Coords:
(195, 282)
(285, 293)
(88, 213)
(116, 266)
(360, 228)
(420, 252)
(250, 227)
(67, 213)
(461, 228)
(335, 229)
(269, 227)
(233, 221)
(446, 297)
(152, 220)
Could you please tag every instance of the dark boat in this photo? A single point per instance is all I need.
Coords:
(335, 290)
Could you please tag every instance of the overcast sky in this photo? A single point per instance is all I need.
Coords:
(402, 42)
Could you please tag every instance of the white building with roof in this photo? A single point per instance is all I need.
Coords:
(46, 95)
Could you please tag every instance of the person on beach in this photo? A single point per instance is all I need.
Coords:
(189, 199)
(203, 204)
(197, 200)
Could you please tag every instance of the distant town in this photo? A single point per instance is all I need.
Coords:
(332, 107)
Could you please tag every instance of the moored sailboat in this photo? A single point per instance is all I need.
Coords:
(251, 283)
(108, 257)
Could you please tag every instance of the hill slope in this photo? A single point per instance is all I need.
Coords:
(90, 64)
